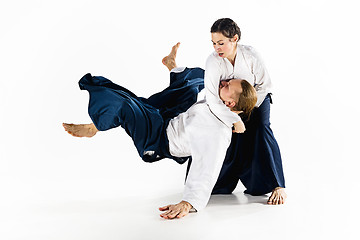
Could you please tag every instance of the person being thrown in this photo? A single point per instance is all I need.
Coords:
(175, 123)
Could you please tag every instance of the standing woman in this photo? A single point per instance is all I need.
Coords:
(253, 156)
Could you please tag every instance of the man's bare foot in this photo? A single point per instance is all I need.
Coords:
(81, 130)
(277, 197)
(169, 60)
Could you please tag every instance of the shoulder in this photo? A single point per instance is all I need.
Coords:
(214, 58)
(248, 51)
(203, 115)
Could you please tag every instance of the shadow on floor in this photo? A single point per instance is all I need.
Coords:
(237, 198)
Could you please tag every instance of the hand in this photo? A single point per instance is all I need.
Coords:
(239, 127)
(176, 211)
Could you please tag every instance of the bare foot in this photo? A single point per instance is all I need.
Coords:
(169, 60)
(277, 197)
(81, 130)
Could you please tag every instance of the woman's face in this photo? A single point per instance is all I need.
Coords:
(224, 46)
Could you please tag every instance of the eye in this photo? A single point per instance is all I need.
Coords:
(221, 43)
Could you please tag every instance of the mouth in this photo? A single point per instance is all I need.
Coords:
(221, 54)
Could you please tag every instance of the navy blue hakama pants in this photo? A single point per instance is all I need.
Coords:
(144, 119)
(253, 157)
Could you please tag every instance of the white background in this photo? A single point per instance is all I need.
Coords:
(54, 186)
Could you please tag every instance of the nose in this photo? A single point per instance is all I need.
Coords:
(217, 48)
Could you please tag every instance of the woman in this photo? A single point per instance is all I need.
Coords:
(253, 157)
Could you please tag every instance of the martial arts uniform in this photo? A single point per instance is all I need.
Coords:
(254, 156)
(160, 128)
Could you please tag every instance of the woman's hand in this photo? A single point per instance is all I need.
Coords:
(176, 211)
(239, 127)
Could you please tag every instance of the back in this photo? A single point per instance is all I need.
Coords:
(197, 120)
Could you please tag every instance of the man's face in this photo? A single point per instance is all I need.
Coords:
(228, 90)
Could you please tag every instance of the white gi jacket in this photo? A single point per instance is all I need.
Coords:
(248, 66)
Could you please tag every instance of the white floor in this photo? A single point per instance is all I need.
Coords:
(91, 195)
(236, 216)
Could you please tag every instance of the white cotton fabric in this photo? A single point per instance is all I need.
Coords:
(178, 69)
(198, 133)
(248, 66)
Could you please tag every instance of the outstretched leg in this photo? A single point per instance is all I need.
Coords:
(81, 130)
(169, 60)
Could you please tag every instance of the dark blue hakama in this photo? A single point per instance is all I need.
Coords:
(144, 119)
(253, 157)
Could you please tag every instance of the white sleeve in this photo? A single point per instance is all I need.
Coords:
(178, 69)
(212, 80)
(262, 78)
(208, 150)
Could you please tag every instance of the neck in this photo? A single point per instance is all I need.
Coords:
(232, 57)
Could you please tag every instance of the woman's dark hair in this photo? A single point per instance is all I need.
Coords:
(226, 27)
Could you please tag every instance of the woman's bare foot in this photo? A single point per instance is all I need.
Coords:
(81, 130)
(169, 60)
(277, 197)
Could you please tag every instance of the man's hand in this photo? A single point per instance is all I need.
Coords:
(239, 127)
(176, 211)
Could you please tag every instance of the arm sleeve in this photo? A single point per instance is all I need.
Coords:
(208, 150)
(262, 78)
(212, 81)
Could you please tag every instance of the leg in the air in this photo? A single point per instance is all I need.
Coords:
(169, 60)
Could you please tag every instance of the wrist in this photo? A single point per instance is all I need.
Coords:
(187, 204)
(239, 123)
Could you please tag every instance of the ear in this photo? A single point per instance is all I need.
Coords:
(235, 38)
(230, 104)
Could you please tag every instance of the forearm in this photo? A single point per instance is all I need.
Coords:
(208, 153)
(212, 80)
